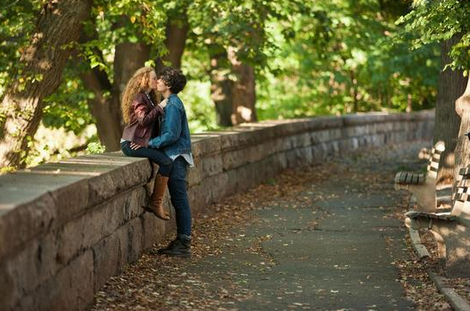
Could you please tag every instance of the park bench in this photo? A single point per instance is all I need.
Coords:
(450, 229)
(423, 186)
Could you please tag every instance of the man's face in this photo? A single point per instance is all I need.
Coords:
(161, 86)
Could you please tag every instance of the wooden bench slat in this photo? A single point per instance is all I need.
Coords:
(403, 177)
(442, 216)
(409, 178)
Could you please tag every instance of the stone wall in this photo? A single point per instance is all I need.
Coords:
(66, 227)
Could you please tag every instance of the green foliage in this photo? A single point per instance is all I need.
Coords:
(435, 21)
(94, 148)
(340, 58)
(200, 110)
(68, 107)
(17, 19)
(311, 57)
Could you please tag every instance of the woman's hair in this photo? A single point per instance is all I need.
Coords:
(139, 81)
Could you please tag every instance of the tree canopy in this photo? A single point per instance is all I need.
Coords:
(299, 59)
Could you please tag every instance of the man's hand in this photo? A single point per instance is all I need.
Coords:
(135, 146)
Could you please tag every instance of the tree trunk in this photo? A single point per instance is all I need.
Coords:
(353, 91)
(107, 109)
(447, 122)
(221, 88)
(128, 58)
(176, 35)
(462, 150)
(58, 25)
(108, 124)
(243, 91)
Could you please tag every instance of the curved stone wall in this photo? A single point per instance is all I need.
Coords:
(66, 227)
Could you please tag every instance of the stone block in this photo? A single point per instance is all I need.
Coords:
(154, 229)
(133, 202)
(319, 153)
(23, 222)
(300, 140)
(263, 131)
(85, 231)
(234, 159)
(200, 197)
(248, 137)
(297, 157)
(34, 264)
(135, 239)
(228, 141)
(326, 135)
(196, 173)
(354, 131)
(204, 144)
(109, 184)
(211, 165)
(108, 257)
(245, 177)
(217, 186)
(70, 289)
(258, 152)
(72, 200)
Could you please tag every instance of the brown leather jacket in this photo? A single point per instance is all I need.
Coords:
(143, 122)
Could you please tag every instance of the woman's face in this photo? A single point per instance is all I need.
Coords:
(153, 80)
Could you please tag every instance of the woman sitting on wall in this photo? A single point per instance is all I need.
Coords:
(141, 114)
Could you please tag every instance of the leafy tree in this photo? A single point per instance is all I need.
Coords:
(37, 73)
(340, 58)
(446, 22)
(233, 35)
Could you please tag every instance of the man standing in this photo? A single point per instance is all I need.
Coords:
(175, 141)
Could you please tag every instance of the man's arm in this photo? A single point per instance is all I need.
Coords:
(171, 130)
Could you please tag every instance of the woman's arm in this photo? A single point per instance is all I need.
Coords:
(144, 114)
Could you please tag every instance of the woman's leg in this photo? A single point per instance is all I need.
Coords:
(156, 156)
(155, 204)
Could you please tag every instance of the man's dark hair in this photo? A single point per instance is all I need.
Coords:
(173, 78)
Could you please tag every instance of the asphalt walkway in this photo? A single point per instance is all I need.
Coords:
(323, 238)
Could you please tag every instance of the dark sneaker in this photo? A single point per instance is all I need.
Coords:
(180, 247)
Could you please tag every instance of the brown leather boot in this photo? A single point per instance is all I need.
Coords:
(155, 204)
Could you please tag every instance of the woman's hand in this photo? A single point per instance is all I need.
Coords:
(135, 146)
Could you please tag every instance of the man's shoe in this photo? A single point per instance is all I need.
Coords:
(180, 247)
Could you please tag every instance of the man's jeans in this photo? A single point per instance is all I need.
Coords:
(179, 197)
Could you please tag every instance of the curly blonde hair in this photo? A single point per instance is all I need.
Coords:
(139, 82)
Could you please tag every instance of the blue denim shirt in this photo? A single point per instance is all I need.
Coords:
(174, 137)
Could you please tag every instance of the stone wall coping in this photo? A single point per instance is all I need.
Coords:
(49, 185)
(37, 199)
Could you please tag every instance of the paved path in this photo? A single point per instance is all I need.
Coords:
(330, 246)
(333, 252)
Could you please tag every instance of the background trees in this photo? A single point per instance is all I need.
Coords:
(445, 22)
(245, 60)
